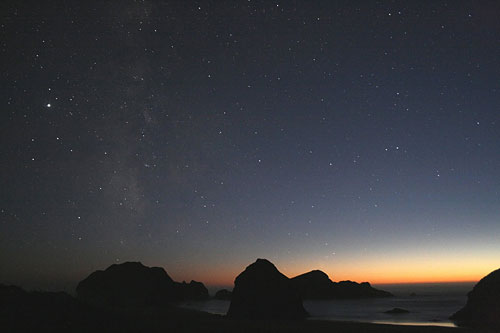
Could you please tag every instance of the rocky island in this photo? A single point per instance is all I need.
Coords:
(317, 285)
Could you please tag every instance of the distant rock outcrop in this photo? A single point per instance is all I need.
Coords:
(350, 289)
(483, 304)
(223, 294)
(262, 292)
(133, 284)
(397, 311)
(317, 285)
(193, 290)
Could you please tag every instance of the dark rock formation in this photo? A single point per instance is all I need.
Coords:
(314, 285)
(483, 304)
(22, 311)
(397, 311)
(317, 285)
(133, 284)
(193, 290)
(13, 296)
(349, 289)
(223, 294)
(11, 292)
(128, 284)
(262, 292)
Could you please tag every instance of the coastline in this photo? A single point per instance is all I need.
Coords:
(428, 305)
(56, 312)
(183, 320)
(197, 321)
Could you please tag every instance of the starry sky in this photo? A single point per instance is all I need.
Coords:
(357, 137)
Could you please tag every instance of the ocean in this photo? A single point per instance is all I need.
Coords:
(428, 303)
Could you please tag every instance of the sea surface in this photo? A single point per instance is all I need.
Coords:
(428, 303)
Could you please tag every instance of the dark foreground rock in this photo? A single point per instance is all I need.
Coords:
(262, 292)
(22, 311)
(132, 284)
(223, 294)
(32, 311)
(317, 285)
(483, 304)
(397, 311)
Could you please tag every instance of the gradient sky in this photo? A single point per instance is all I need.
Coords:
(357, 137)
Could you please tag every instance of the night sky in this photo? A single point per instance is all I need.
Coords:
(357, 137)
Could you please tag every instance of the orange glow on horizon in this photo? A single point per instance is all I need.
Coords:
(229, 281)
(388, 272)
(226, 277)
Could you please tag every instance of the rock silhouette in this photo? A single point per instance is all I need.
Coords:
(317, 285)
(192, 290)
(133, 284)
(483, 304)
(262, 292)
(314, 285)
(350, 289)
(22, 311)
(397, 311)
(36, 311)
(127, 284)
(223, 294)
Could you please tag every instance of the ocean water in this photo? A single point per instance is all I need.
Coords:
(431, 304)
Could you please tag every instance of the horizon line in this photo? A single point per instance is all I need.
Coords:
(372, 283)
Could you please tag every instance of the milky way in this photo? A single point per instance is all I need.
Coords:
(359, 138)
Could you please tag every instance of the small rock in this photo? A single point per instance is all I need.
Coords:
(397, 311)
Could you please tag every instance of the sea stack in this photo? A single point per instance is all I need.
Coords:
(483, 304)
(223, 294)
(262, 292)
(193, 290)
(316, 285)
